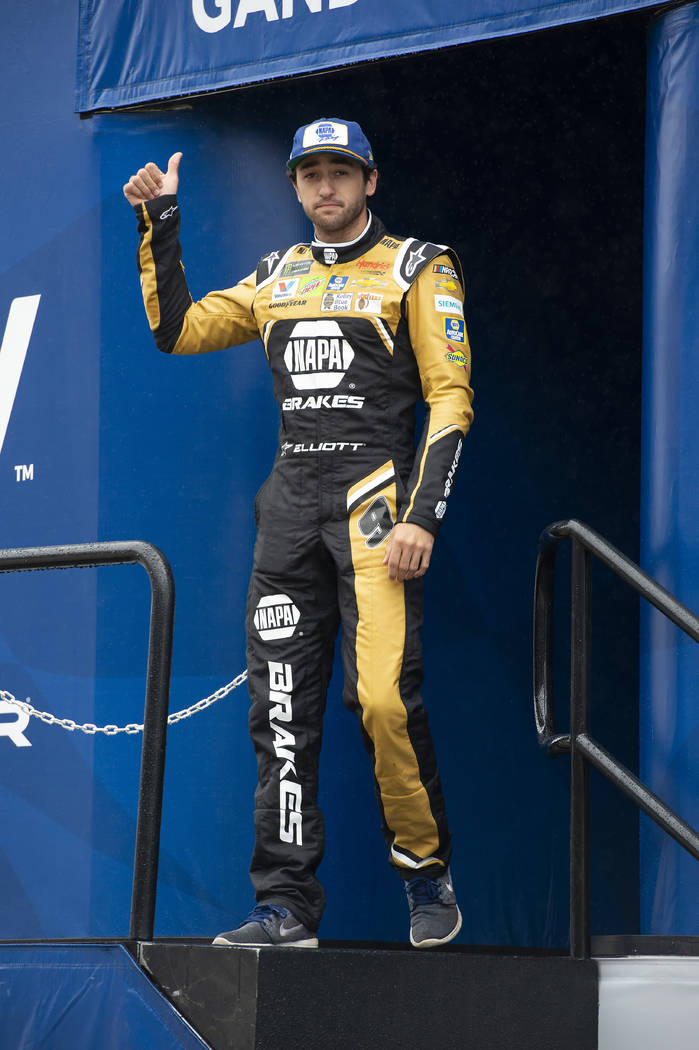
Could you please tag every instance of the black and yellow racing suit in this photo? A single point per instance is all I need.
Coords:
(354, 335)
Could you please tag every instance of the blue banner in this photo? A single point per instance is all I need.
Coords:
(132, 51)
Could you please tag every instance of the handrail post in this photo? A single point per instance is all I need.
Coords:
(579, 774)
(150, 797)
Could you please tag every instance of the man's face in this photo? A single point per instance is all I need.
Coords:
(332, 192)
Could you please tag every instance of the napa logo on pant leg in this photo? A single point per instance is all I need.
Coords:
(276, 616)
(317, 355)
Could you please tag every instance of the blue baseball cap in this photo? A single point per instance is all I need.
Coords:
(331, 135)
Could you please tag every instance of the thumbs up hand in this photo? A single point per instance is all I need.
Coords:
(150, 182)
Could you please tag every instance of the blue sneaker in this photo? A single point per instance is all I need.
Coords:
(269, 925)
(434, 915)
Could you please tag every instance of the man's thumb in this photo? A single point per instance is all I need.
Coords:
(174, 163)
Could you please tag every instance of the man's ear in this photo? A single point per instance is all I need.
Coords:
(371, 183)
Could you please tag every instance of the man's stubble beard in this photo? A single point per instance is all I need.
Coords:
(334, 223)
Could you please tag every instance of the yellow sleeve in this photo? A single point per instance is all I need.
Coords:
(219, 320)
(436, 325)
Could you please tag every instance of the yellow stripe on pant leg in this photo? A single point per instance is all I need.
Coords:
(379, 653)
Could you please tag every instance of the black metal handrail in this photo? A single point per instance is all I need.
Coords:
(578, 743)
(162, 613)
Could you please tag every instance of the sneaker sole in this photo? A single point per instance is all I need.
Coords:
(310, 942)
(433, 942)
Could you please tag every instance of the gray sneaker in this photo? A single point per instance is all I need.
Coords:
(434, 915)
(269, 925)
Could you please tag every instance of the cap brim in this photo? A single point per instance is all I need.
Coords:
(293, 162)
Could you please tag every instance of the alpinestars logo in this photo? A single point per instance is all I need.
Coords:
(281, 684)
(276, 616)
(271, 260)
(415, 258)
(18, 332)
(317, 355)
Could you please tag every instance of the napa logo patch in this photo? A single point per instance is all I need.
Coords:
(317, 355)
(325, 133)
(336, 284)
(276, 616)
(454, 329)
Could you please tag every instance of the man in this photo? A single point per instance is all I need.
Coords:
(355, 326)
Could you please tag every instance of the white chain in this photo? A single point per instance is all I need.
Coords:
(133, 727)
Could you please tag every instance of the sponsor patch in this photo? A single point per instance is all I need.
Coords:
(456, 356)
(446, 304)
(330, 256)
(446, 270)
(454, 329)
(285, 304)
(285, 289)
(452, 469)
(281, 682)
(325, 133)
(276, 616)
(332, 301)
(316, 401)
(368, 282)
(369, 266)
(390, 243)
(336, 284)
(317, 355)
(312, 285)
(368, 303)
(292, 269)
(447, 285)
(440, 509)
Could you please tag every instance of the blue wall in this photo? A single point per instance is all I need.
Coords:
(537, 182)
(670, 533)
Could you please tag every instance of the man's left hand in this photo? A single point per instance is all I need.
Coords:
(408, 551)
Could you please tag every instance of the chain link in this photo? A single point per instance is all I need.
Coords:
(133, 727)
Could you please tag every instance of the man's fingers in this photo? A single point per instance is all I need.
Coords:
(408, 551)
(152, 177)
(145, 185)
